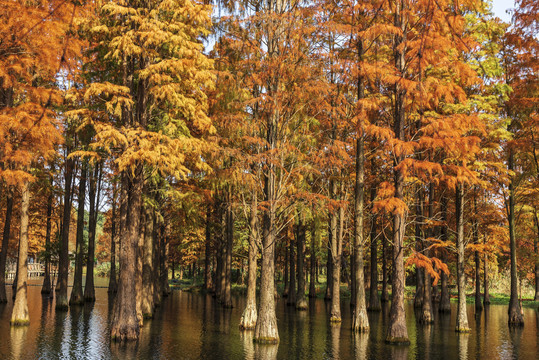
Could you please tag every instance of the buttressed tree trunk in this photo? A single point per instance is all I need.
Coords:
(360, 321)
(249, 316)
(125, 324)
(462, 316)
(5, 244)
(46, 287)
(301, 301)
(95, 192)
(76, 293)
(515, 315)
(20, 315)
(63, 263)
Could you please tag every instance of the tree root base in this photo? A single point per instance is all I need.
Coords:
(335, 319)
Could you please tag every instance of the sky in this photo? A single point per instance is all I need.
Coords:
(500, 6)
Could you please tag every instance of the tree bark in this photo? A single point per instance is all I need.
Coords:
(76, 298)
(63, 261)
(125, 325)
(515, 315)
(286, 269)
(312, 279)
(374, 298)
(227, 300)
(536, 252)
(478, 304)
(427, 317)
(208, 284)
(385, 293)
(291, 300)
(462, 316)
(486, 295)
(420, 273)
(20, 315)
(147, 305)
(5, 244)
(336, 241)
(95, 192)
(360, 321)
(249, 316)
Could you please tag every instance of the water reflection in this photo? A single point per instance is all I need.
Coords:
(195, 326)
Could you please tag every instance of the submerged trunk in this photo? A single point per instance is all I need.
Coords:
(63, 263)
(20, 316)
(462, 316)
(125, 325)
(95, 190)
(5, 245)
(360, 321)
(301, 303)
(515, 315)
(46, 287)
(76, 293)
(249, 316)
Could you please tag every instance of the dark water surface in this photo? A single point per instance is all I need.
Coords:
(194, 326)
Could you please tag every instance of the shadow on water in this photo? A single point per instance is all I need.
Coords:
(195, 326)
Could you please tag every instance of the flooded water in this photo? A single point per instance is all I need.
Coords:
(194, 326)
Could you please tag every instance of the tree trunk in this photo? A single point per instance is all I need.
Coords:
(420, 273)
(76, 298)
(301, 301)
(147, 304)
(20, 316)
(335, 313)
(478, 304)
(486, 295)
(249, 316)
(312, 279)
(5, 244)
(374, 298)
(360, 321)
(125, 325)
(113, 285)
(536, 252)
(163, 261)
(385, 293)
(462, 316)
(95, 192)
(63, 263)
(227, 300)
(208, 285)
(329, 266)
(46, 287)
(427, 317)
(286, 269)
(291, 300)
(445, 304)
(515, 315)
(156, 277)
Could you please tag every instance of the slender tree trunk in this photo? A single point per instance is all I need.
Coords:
(291, 300)
(208, 285)
(156, 277)
(374, 298)
(249, 316)
(385, 293)
(46, 287)
(147, 265)
(445, 304)
(286, 269)
(360, 321)
(76, 298)
(20, 315)
(427, 317)
(329, 265)
(478, 304)
(5, 244)
(63, 263)
(420, 273)
(335, 314)
(163, 261)
(95, 192)
(227, 300)
(125, 325)
(462, 316)
(486, 295)
(515, 315)
(113, 285)
(314, 234)
(536, 252)
(301, 303)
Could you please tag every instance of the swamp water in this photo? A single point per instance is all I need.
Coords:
(195, 326)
